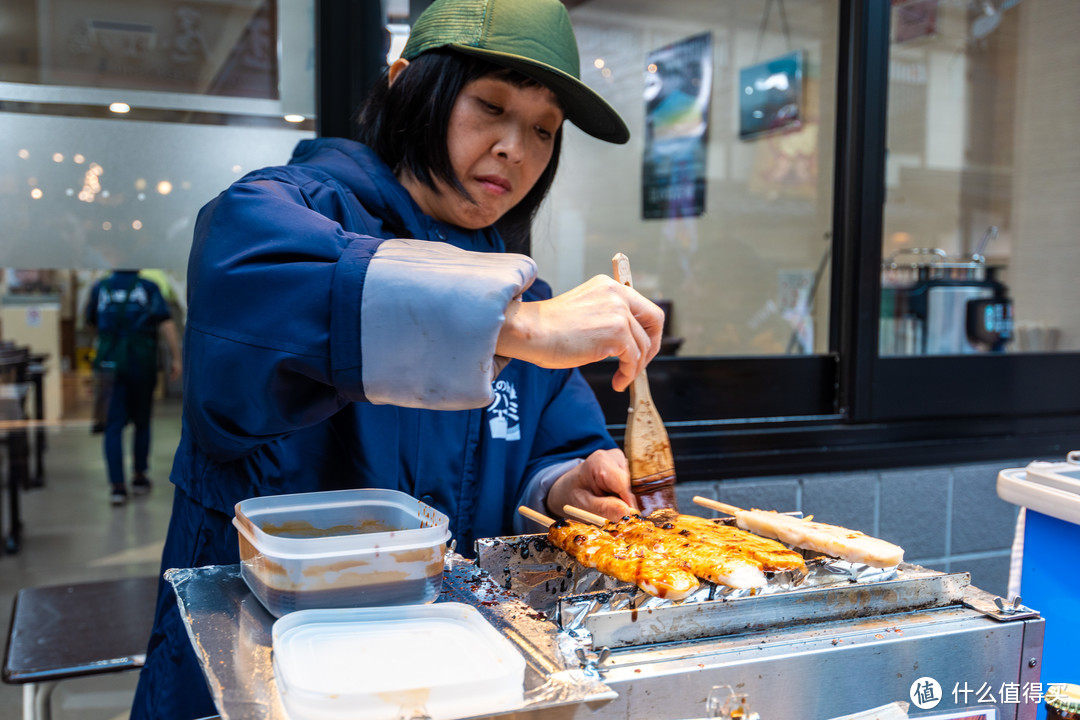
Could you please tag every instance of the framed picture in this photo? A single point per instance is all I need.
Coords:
(771, 96)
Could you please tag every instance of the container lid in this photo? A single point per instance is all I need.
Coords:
(1064, 697)
(443, 660)
(1014, 486)
(428, 526)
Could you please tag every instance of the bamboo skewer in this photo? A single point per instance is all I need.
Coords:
(717, 505)
(538, 517)
(584, 515)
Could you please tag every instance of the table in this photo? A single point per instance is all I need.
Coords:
(76, 630)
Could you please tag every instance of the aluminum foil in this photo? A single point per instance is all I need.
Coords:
(560, 668)
(231, 633)
(597, 610)
(548, 580)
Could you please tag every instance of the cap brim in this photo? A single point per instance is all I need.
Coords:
(584, 107)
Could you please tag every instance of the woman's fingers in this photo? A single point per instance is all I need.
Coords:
(595, 320)
(649, 317)
(600, 485)
(643, 345)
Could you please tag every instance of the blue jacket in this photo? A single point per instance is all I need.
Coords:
(315, 349)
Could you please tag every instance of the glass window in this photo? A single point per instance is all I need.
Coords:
(723, 198)
(121, 119)
(979, 244)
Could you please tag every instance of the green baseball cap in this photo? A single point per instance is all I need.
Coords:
(533, 37)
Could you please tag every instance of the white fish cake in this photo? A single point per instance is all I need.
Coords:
(832, 540)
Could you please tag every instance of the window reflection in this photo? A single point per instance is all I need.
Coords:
(980, 219)
(166, 45)
(749, 275)
(122, 118)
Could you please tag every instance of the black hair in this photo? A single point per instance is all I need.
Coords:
(407, 125)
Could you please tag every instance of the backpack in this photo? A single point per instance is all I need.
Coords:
(126, 344)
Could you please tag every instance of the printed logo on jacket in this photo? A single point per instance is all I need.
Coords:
(503, 420)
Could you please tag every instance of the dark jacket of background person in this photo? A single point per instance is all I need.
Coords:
(127, 311)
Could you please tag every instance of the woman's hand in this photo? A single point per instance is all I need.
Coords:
(598, 319)
(600, 485)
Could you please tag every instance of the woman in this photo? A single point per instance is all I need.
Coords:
(354, 320)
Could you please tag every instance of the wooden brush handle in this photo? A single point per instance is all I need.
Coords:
(648, 449)
(620, 265)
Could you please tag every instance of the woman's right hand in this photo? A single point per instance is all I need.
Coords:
(598, 319)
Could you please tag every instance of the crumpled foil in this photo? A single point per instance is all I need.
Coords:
(548, 580)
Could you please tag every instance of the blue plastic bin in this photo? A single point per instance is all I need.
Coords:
(1048, 579)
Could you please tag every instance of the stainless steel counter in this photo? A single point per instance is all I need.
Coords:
(809, 671)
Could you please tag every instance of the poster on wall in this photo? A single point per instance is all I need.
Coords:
(770, 96)
(678, 87)
(914, 19)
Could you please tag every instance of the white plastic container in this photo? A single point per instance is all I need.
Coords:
(442, 661)
(341, 548)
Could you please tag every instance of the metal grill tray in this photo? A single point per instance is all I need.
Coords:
(584, 601)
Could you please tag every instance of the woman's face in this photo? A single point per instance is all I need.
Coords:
(500, 139)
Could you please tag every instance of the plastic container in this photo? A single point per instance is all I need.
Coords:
(342, 548)
(442, 661)
(1048, 577)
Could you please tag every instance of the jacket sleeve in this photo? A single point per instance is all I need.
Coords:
(291, 317)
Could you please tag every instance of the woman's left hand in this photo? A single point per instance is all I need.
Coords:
(600, 485)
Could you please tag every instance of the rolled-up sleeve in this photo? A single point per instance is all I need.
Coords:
(430, 317)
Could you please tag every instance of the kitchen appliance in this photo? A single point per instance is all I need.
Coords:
(932, 304)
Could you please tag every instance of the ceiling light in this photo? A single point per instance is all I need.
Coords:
(294, 118)
(120, 107)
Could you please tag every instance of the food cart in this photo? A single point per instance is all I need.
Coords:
(848, 639)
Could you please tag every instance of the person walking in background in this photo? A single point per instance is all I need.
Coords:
(128, 312)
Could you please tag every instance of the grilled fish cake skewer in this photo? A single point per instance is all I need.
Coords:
(771, 555)
(712, 562)
(839, 542)
(591, 546)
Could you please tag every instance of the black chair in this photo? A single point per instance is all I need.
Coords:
(36, 372)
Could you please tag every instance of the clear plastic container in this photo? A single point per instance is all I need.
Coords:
(441, 661)
(342, 548)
